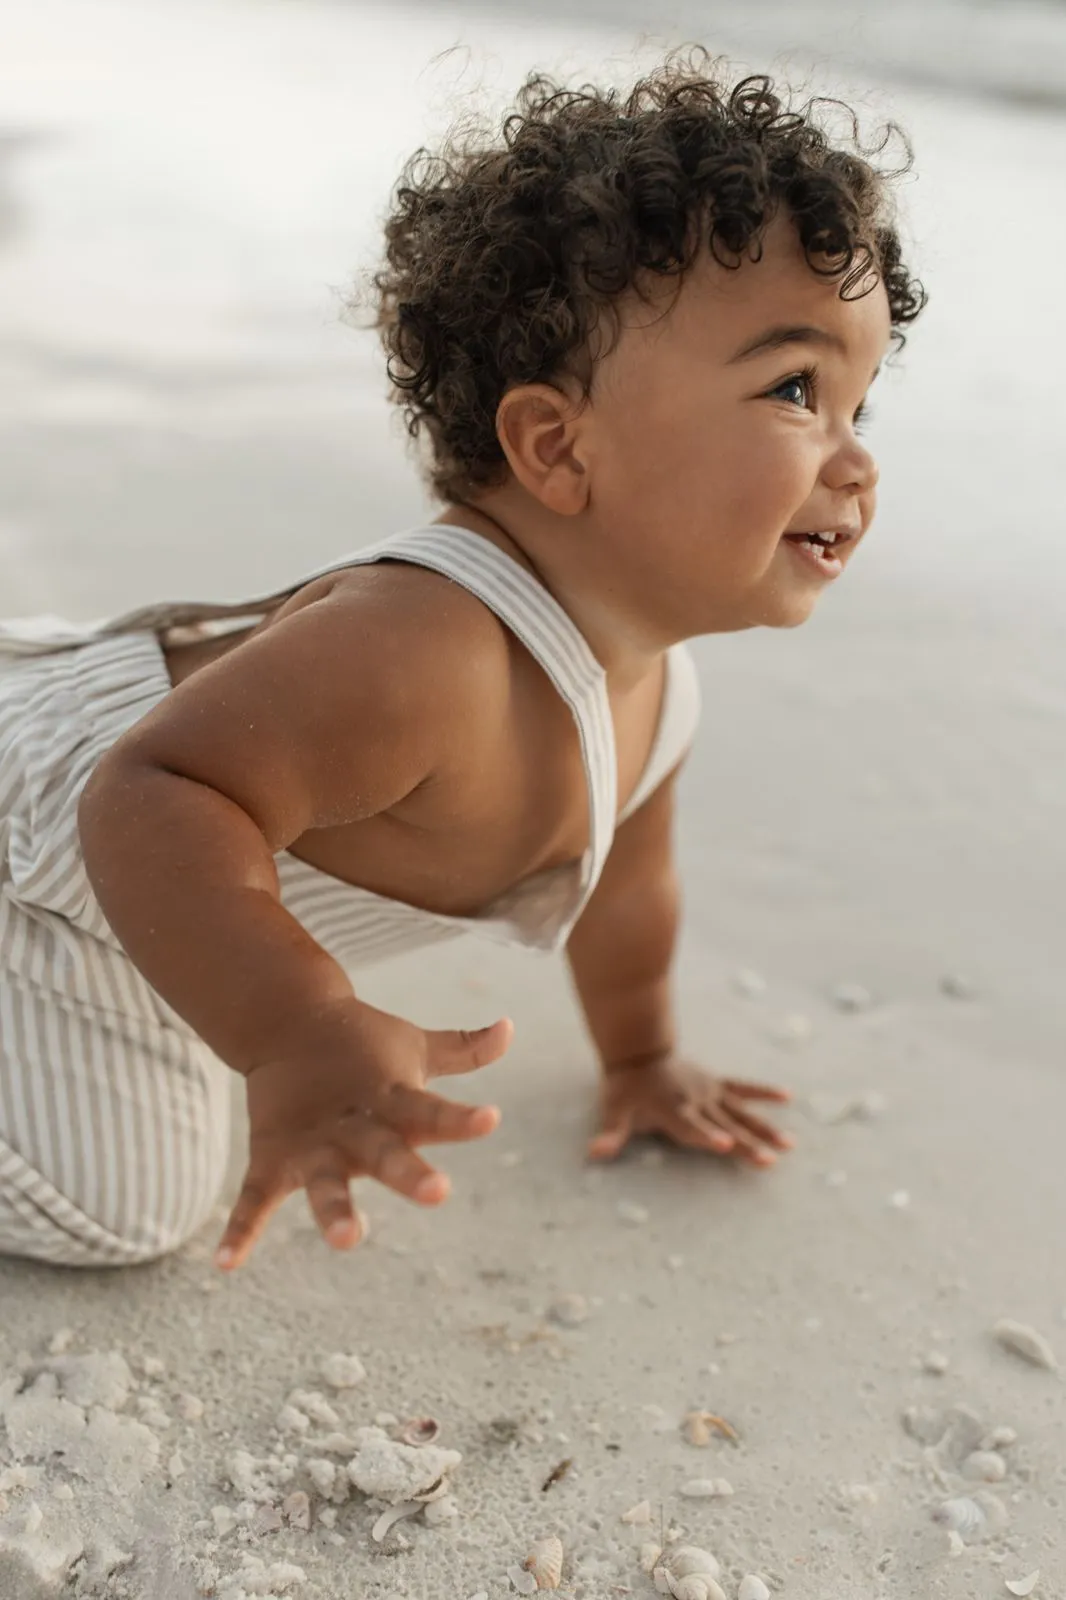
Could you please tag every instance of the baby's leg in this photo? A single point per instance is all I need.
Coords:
(114, 1129)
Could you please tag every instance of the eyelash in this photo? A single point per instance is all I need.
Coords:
(809, 377)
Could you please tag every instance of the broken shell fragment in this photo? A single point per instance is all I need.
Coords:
(522, 1580)
(1026, 1342)
(1023, 1586)
(752, 1588)
(640, 1513)
(649, 1556)
(706, 1489)
(545, 1562)
(420, 1431)
(406, 1508)
(984, 1466)
(698, 1428)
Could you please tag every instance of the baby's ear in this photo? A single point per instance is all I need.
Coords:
(540, 433)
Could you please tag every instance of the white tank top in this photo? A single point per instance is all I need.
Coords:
(118, 668)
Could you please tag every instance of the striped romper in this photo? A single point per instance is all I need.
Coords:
(114, 1116)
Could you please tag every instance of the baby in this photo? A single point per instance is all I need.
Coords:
(636, 333)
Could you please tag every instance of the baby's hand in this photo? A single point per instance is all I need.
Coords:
(672, 1097)
(348, 1099)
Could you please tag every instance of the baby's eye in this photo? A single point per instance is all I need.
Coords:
(801, 386)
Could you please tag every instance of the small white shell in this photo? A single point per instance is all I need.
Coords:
(522, 1580)
(706, 1489)
(696, 1587)
(406, 1508)
(1026, 1342)
(420, 1431)
(960, 1513)
(1023, 1586)
(688, 1560)
(984, 1466)
(545, 1562)
(752, 1588)
(640, 1513)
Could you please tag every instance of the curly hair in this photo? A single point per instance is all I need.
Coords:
(504, 254)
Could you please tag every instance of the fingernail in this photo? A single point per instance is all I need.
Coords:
(225, 1257)
(428, 1188)
(339, 1233)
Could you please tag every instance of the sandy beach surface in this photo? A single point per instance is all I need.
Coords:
(872, 851)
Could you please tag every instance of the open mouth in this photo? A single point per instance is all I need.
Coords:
(821, 550)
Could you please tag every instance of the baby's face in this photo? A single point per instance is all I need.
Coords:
(707, 455)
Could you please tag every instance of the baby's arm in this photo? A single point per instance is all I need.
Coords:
(332, 714)
(621, 955)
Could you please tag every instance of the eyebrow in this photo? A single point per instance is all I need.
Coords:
(785, 334)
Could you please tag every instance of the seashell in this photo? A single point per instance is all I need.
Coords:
(420, 1431)
(522, 1580)
(697, 1587)
(698, 1428)
(984, 1466)
(640, 1513)
(752, 1588)
(390, 1471)
(1027, 1343)
(689, 1560)
(706, 1489)
(545, 1562)
(960, 1513)
(1023, 1586)
(406, 1508)
(956, 1543)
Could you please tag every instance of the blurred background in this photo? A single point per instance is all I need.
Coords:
(188, 193)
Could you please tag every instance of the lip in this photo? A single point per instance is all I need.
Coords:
(825, 563)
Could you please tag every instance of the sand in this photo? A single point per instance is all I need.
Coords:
(874, 865)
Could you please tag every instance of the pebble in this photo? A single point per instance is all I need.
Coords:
(571, 1310)
(60, 1342)
(153, 1367)
(706, 1489)
(632, 1213)
(675, 1263)
(748, 982)
(793, 1029)
(323, 1475)
(224, 1519)
(296, 1509)
(900, 1199)
(956, 987)
(176, 1465)
(190, 1407)
(343, 1371)
(327, 1516)
(852, 997)
(935, 1362)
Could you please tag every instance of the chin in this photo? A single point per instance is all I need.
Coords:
(787, 611)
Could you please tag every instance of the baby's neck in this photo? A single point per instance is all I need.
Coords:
(625, 649)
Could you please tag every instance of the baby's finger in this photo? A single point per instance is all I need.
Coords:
(384, 1156)
(689, 1126)
(756, 1091)
(259, 1198)
(330, 1198)
(430, 1119)
(456, 1050)
(745, 1146)
(612, 1140)
(762, 1130)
